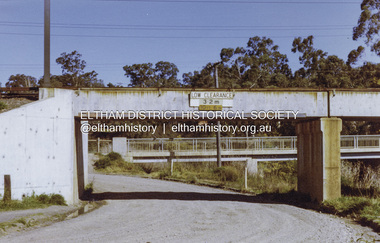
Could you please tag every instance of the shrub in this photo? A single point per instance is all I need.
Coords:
(57, 199)
(2, 105)
(114, 156)
(192, 178)
(164, 174)
(227, 173)
(88, 189)
(43, 198)
(359, 179)
(147, 168)
(102, 163)
(283, 169)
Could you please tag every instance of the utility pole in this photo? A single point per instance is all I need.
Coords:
(47, 43)
(218, 151)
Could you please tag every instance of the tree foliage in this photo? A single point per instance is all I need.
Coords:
(21, 80)
(163, 74)
(73, 74)
(259, 65)
(368, 26)
(329, 71)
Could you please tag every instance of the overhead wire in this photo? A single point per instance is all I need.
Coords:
(174, 27)
(180, 27)
(236, 2)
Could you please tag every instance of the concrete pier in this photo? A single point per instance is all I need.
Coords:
(319, 158)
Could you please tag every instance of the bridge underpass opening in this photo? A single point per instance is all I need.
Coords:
(319, 114)
(167, 155)
(318, 157)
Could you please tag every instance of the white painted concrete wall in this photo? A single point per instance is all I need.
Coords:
(308, 103)
(355, 104)
(37, 147)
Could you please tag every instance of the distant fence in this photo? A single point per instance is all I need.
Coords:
(98, 145)
(19, 92)
(227, 144)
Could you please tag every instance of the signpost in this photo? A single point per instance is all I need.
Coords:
(213, 101)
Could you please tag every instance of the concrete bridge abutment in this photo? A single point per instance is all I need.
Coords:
(318, 146)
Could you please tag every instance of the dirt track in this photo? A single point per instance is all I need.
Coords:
(162, 211)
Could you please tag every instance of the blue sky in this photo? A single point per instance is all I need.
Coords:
(111, 34)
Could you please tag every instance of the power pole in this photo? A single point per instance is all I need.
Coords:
(47, 44)
(218, 151)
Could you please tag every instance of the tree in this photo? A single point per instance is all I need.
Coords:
(319, 69)
(73, 74)
(163, 74)
(111, 85)
(354, 55)
(259, 65)
(310, 58)
(366, 76)
(166, 74)
(21, 80)
(203, 79)
(369, 25)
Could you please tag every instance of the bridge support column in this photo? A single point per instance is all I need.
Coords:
(318, 146)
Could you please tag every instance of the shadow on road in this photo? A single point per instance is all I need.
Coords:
(288, 198)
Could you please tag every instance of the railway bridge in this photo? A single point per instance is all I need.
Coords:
(44, 146)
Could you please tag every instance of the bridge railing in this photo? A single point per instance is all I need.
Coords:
(98, 145)
(288, 143)
(209, 144)
(360, 141)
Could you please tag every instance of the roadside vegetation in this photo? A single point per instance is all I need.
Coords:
(360, 183)
(361, 195)
(33, 201)
(2, 105)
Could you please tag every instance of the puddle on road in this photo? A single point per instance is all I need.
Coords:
(88, 207)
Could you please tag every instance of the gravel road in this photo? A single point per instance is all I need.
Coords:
(147, 210)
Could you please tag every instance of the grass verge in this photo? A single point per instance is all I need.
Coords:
(33, 201)
(361, 209)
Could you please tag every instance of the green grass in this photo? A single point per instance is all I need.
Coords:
(33, 201)
(362, 209)
(360, 194)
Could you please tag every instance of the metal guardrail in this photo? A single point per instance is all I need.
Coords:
(348, 142)
(208, 144)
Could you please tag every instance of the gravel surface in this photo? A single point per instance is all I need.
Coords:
(147, 210)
